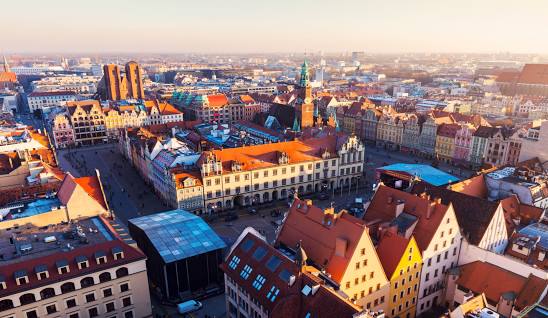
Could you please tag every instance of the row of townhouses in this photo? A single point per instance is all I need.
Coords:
(87, 122)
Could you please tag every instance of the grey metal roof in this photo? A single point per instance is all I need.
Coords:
(178, 234)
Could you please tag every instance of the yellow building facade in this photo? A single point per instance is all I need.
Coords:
(402, 262)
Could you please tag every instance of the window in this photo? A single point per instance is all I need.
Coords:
(86, 282)
(234, 262)
(104, 277)
(67, 288)
(74, 315)
(110, 307)
(347, 284)
(259, 281)
(246, 271)
(93, 312)
(32, 314)
(124, 287)
(128, 314)
(363, 278)
(356, 281)
(71, 303)
(107, 292)
(90, 297)
(121, 272)
(427, 277)
(50, 309)
(371, 274)
(274, 291)
(358, 265)
(126, 301)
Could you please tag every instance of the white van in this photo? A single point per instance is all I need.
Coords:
(189, 306)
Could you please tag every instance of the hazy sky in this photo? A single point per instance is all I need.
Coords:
(173, 26)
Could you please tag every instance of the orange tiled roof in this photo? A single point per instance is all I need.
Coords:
(262, 156)
(308, 223)
(92, 186)
(181, 176)
(8, 77)
(246, 99)
(481, 277)
(217, 100)
(168, 109)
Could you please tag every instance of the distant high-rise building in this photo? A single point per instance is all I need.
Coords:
(305, 107)
(115, 84)
(134, 80)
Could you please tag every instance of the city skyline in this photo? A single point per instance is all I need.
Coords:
(282, 26)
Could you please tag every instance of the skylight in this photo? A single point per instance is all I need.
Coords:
(259, 253)
(259, 281)
(247, 245)
(306, 290)
(234, 262)
(246, 271)
(285, 275)
(273, 263)
(274, 291)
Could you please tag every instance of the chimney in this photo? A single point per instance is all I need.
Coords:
(308, 202)
(340, 246)
(430, 208)
(400, 205)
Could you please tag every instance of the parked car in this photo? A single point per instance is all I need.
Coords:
(252, 211)
(231, 217)
(189, 306)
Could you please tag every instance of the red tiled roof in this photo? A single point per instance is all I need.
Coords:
(130, 255)
(481, 277)
(383, 209)
(448, 130)
(92, 186)
(390, 249)
(290, 301)
(89, 184)
(534, 74)
(308, 223)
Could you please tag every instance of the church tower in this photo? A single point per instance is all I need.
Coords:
(6, 65)
(305, 105)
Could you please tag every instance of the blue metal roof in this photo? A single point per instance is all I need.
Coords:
(426, 173)
(537, 230)
(178, 234)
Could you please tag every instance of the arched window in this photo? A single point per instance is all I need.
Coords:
(86, 282)
(27, 299)
(121, 272)
(67, 288)
(6, 304)
(104, 277)
(47, 293)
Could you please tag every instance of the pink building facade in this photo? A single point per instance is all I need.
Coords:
(463, 143)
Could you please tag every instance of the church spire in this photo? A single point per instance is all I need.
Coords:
(305, 76)
(6, 65)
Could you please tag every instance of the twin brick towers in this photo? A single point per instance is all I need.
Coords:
(120, 87)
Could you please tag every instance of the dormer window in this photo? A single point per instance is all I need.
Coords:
(41, 272)
(62, 266)
(117, 253)
(100, 257)
(21, 277)
(82, 262)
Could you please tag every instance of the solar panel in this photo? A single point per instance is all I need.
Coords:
(273, 263)
(259, 253)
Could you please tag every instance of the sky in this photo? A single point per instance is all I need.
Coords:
(260, 26)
